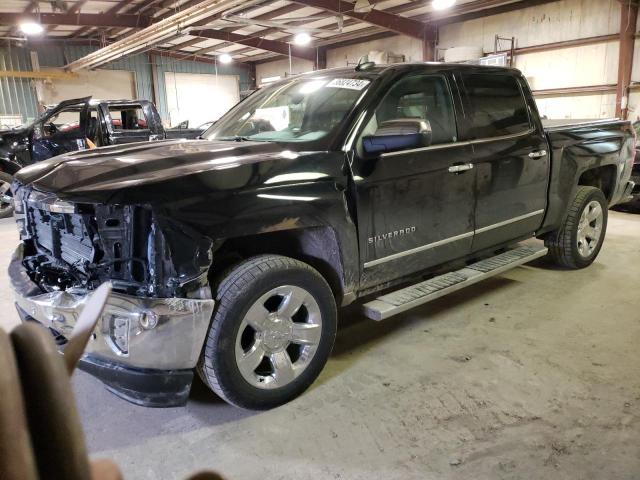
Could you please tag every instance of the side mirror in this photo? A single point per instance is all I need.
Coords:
(398, 134)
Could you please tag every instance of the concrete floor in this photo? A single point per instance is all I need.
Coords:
(533, 374)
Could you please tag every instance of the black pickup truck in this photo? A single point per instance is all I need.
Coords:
(70, 125)
(230, 255)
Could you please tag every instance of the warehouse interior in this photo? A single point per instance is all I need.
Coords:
(529, 374)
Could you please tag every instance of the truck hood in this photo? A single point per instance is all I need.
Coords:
(136, 166)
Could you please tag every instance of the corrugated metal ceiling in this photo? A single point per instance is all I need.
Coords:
(158, 9)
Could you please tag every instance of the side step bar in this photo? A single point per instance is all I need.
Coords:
(402, 300)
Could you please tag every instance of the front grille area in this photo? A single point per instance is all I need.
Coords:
(55, 228)
(64, 237)
(79, 245)
(82, 245)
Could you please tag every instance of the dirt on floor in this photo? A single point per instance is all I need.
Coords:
(534, 374)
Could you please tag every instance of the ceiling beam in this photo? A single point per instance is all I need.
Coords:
(184, 6)
(188, 43)
(136, 9)
(73, 9)
(189, 57)
(275, 46)
(31, 6)
(113, 10)
(469, 11)
(380, 18)
(460, 13)
(214, 48)
(82, 19)
(278, 12)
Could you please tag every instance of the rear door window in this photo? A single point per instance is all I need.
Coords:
(495, 106)
(129, 117)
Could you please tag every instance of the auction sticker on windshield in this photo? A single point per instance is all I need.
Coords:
(348, 83)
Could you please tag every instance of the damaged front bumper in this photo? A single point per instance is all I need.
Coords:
(143, 349)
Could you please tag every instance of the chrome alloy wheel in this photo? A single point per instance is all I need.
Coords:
(278, 337)
(590, 228)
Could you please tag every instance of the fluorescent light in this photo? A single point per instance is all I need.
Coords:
(225, 58)
(302, 38)
(442, 4)
(31, 28)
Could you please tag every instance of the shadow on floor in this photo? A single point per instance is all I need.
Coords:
(357, 334)
(117, 423)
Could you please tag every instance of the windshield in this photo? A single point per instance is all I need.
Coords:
(301, 110)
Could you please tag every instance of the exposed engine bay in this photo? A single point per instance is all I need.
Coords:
(75, 247)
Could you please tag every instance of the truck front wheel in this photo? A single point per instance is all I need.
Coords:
(577, 243)
(6, 198)
(272, 331)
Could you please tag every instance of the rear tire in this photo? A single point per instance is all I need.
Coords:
(272, 331)
(6, 207)
(577, 243)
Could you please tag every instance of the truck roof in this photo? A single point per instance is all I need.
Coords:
(375, 70)
(95, 101)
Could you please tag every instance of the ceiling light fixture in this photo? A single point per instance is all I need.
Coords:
(31, 28)
(302, 38)
(442, 4)
(225, 58)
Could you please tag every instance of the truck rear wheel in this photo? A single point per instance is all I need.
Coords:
(577, 243)
(6, 198)
(272, 331)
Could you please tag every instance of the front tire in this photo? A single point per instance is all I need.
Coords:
(577, 243)
(6, 198)
(272, 332)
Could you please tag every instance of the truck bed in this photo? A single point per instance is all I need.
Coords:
(555, 125)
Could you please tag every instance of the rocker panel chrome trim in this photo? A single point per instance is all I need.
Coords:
(507, 222)
(444, 241)
(422, 248)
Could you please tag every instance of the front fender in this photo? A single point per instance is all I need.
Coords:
(279, 209)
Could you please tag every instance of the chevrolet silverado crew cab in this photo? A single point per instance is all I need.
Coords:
(228, 256)
(78, 124)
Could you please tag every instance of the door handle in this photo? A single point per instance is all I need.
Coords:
(460, 168)
(538, 154)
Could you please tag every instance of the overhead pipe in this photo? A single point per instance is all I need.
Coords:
(155, 34)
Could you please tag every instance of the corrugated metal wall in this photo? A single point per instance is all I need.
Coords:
(17, 96)
(59, 55)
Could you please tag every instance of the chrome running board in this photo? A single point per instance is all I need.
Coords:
(406, 298)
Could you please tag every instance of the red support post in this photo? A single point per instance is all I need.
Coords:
(628, 21)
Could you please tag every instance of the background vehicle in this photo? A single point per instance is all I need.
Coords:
(66, 127)
(635, 173)
(313, 192)
(632, 205)
(182, 130)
